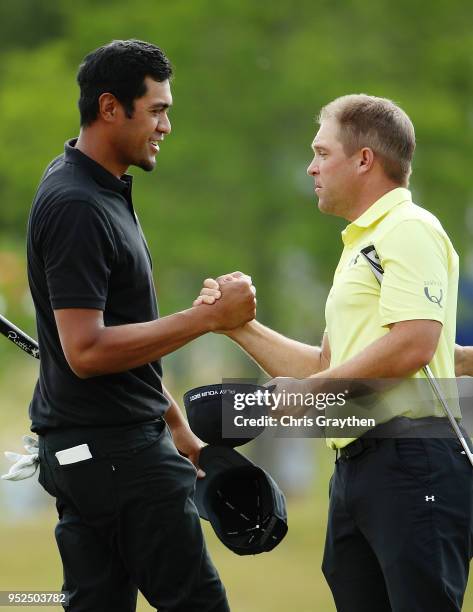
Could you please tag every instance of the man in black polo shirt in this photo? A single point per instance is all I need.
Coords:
(124, 493)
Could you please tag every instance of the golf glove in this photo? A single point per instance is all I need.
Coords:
(24, 466)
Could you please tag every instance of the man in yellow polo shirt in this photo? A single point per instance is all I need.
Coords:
(420, 285)
(401, 509)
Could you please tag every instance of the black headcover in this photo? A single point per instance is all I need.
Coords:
(243, 503)
(205, 406)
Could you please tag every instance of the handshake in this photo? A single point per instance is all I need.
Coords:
(230, 300)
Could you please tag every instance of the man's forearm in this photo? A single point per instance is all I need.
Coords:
(394, 355)
(174, 417)
(92, 349)
(276, 354)
(185, 440)
(463, 360)
(124, 347)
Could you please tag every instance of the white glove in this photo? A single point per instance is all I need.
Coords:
(24, 466)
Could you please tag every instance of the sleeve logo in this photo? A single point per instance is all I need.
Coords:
(433, 298)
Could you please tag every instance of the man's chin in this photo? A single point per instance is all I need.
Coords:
(331, 208)
(146, 164)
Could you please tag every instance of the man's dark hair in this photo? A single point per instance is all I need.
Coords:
(119, 68)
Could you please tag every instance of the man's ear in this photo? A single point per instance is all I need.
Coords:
(365, 159)
(108, 107)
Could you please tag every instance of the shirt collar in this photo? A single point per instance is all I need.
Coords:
(99, 173)
(376, 211)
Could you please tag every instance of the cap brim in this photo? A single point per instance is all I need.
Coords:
(209, 413)
(215, 460)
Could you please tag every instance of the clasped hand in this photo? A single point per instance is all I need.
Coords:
(233, 295)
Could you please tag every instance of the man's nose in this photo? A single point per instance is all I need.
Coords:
(313, 168)
(164, 126)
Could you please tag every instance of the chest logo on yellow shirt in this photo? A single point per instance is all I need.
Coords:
(433, 298)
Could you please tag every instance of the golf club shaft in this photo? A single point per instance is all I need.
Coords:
(372, 258)
(18, 337)
(438, 394)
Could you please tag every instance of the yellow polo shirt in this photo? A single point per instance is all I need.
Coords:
(420, 282)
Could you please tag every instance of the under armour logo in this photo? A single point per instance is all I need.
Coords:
(429, 498)
(434, 298)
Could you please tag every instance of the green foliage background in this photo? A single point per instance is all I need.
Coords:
(230, 190)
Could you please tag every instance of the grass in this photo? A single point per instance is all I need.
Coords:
(288, 578)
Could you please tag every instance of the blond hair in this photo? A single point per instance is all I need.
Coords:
(377, 123)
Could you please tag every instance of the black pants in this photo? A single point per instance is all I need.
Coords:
(399, 527)
(127, 521)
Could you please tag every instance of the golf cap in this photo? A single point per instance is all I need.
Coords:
(205, 408)
(244, 505)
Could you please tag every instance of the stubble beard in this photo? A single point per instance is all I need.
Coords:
(145, 164)
(329, 207)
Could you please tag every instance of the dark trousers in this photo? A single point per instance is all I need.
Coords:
(399, 527)
(127, 521)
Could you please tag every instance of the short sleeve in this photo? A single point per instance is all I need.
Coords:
(78, 253)
(414, 256)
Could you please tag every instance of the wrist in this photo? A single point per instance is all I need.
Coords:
(201, 319)
(238, 333)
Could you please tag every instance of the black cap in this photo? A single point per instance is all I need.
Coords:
(244, 505)
(205, 406)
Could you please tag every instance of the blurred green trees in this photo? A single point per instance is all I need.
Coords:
(230, 190)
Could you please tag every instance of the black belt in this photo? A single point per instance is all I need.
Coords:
(357, 447)
(399, 427)
(103, 437)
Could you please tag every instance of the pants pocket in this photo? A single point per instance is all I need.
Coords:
(413, 459)
(45, 477)
(89, 486)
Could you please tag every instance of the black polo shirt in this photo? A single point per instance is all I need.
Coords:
(86, 249)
